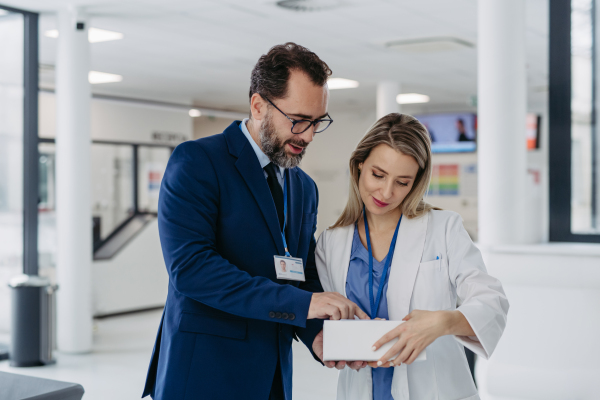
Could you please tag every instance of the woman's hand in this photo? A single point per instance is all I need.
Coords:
(373, 364)
(418, 331)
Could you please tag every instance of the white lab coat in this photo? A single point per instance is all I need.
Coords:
(420, 281)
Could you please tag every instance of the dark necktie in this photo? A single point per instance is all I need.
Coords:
(276, 190)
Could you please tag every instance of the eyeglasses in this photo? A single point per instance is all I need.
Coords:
(302, 125)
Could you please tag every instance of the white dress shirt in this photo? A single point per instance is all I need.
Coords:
(262, 157)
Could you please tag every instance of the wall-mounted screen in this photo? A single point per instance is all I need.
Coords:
(451, 132)
(457, 132)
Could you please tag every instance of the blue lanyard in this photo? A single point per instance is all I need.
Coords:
(388, 262)
(287, 253)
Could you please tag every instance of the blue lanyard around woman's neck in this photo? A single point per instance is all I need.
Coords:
(375, 302)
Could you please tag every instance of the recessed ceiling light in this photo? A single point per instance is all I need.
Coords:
(341, 83)
(53, 33)
(95, 35)
(412, 98)
(3, 12)
(96, 77)
(195, 113)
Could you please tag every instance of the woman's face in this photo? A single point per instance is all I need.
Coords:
(385, 179)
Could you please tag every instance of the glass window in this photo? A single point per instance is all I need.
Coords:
(47, 207)
(11, 152)
(585, 206)
(152, 163)
(112, 187)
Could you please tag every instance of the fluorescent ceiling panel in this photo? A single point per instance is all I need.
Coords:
(430, 44)
(341, 83)
(95, 35)
(96, 77)
(412, 98)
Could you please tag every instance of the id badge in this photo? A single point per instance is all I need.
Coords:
(289, 268)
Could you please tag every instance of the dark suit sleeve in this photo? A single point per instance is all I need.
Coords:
(187, 217)
(311, 284)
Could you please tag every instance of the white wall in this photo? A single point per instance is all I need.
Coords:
(120, 121)
(135, 278)
(550, 347)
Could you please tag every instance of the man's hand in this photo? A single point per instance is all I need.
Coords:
(332, 305)
(318, 350)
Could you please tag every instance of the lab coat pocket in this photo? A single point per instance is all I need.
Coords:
(433, 265)
(432, 290)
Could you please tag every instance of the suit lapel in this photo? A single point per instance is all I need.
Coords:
(249, 168)
(405, 265)
(295, 210)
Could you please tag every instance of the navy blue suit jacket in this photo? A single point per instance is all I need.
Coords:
(227, 317)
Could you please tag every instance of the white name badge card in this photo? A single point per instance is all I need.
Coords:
(352, 340)
(289, 268)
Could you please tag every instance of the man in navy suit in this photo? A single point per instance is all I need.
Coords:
(228, 323)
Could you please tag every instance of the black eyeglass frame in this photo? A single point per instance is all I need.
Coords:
(296, 121)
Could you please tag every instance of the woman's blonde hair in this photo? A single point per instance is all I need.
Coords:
(402, 133)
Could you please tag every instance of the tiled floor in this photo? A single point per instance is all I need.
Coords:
(116, 369)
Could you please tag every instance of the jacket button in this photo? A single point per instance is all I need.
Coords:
(272, 314)
(292, 317)
(285, 316)
(278, 315)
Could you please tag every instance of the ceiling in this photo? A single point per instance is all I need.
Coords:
(202, 51)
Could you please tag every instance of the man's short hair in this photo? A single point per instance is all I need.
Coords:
(272, 71)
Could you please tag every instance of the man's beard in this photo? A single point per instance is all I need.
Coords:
(275, 149)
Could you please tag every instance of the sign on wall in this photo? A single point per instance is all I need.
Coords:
(444, 180)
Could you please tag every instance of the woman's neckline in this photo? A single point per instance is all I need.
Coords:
(363, 247)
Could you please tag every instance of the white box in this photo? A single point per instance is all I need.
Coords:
(352, 340)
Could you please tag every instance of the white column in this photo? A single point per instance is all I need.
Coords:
(386, 98)
(501, 110)
(73, 173)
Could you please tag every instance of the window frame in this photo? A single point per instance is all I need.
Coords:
(30, 138)
(559, 107)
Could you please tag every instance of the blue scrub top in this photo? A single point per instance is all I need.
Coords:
(357, 290)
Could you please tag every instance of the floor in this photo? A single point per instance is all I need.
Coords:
(116, 369)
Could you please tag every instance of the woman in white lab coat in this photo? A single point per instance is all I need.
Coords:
(435, 278)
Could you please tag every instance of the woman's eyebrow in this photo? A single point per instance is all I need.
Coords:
(399, 176)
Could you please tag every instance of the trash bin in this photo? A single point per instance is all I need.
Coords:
(33, 321)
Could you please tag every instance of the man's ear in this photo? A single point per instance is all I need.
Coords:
(258, 107)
